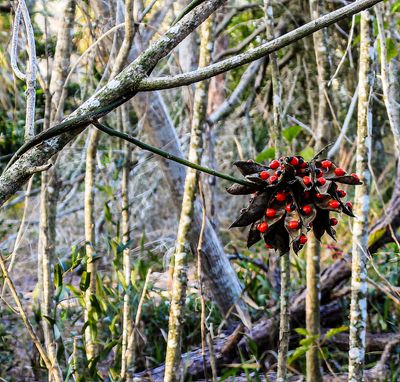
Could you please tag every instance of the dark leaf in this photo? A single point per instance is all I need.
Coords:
(254, 235)
(254, 211)
(247, 168)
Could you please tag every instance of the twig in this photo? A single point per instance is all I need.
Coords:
(164, 154)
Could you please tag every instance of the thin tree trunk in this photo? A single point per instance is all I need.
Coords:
(50, 190)
(358, 309)
(276, 133)
(173, 355)
(126, 313)
(90, 181)
(313, 250)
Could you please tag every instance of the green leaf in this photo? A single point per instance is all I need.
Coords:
(308, 153)
(300, 351)
(266, 155)
(391, 49)
(121, 279)
(375, 236)
(291, 132)
(396, 7)
(301, 331)
(74, 290)
(85, 281)
(58, 276)
(331, 332)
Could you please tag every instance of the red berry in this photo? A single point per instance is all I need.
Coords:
(280, 197)
(318, 173)
(356, 177)
(349, 205)
(303, 239)
(293, 224)
(304, 164)
(290, 207)
(339, 171)
(307, 209)
(307, 180)
(319, 196)
(341, 193)
(294, 161)
(274, 164)
(262, 227)
(264, 175)
(334, 204)
(306, 195)
(278, 173)
(321, 181)
(268, 246)
(273, 179)
(270, 213)
(250, 161)
(333, 221)
(326, 164)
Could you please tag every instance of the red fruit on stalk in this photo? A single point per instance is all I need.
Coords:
(339, 171)
(333, 221)
(273, 179)
(307, 180)
(326, 164)
(321, 181)
(262, 227)
(264, 175)
(290, 207)
(334, 204)
(303, 239)
(307, 209)
(270, 213)
(293, 224)
(274, 164)
(280, 196)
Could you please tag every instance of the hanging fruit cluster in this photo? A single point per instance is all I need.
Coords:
(289, 197)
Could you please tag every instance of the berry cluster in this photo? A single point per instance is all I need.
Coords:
(289, 197)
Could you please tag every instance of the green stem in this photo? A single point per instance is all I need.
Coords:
(166, 155)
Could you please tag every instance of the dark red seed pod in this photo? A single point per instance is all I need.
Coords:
(293, 224)
(334, 204)
(307, 180)
(270, 213)
(339, 171)
(307, 209)
(274, 164)
(303, 239)
(333, 221)
(264, 175)
(262, 227)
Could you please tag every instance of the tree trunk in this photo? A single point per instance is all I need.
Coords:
(173, 355)
(358, 309)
